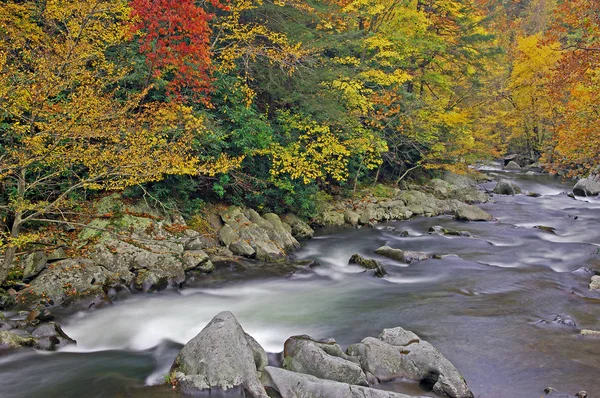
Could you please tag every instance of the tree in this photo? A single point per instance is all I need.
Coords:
(575, 86)
(174, 35)
(66, 125)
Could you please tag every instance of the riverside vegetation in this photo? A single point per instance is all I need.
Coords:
(147, 145)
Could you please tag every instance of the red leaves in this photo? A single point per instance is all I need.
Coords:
(175, 37)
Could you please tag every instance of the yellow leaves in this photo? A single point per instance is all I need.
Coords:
(242, 41)
(384, 79)
(223, 164)
(316, 154)
(355, 94)
(65, 115)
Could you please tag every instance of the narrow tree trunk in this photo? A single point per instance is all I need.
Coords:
(15, 231)
(356, 178)
(11, 250)
(377, 175)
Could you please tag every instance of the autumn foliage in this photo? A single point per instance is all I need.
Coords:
(174, 35)
(266, 103)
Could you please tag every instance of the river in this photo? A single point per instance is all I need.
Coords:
(481, 309)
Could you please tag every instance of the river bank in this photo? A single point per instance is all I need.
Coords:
(508, 283)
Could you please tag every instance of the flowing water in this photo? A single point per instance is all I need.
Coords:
(481, 308)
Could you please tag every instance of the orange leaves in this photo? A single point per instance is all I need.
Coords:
(174, 35)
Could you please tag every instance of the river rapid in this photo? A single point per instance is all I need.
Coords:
(482, 309)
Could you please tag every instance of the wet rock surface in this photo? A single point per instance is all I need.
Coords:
(222, 358)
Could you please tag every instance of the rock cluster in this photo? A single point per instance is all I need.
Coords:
(224, 359)
(138, 248)
(35, 330)
(452, 195)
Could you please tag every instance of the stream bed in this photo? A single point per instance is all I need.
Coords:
(489, 310)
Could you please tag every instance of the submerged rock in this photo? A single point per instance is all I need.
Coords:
(399, 353)
(404, 256)
(507, 187)
(285, 384)
(324, 360)
(368, 264)
(222, 358)
(564, 320)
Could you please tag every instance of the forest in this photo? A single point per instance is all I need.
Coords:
(277, 104)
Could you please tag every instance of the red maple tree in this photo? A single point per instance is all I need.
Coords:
(174, 35)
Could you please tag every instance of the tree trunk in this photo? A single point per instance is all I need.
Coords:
(15, 231)
(11, 250)
(357, 175)
(377, 175)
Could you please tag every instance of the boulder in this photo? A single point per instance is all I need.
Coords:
(285, 384)
(57, 255)
(351, 217)
(300, 229)
(64, 279)
(242, 248)
(324, 360)
(595, 283)
(368, 264)
(227, 235)
(145, 267)
(13, 340)
(49, 337)
(590, 333)
(197, 259)
(404, 256)
(199, 242)
(472, 213)
(399, 353)
(587, 187)
(33, 264)
(221, 358)
(281, 233)
(512, 165)
(507, 187)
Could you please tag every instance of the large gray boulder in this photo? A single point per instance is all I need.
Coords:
(222, 358)
(285, 384)
(280, 233)
(33, 263)
(512, 165)
(399, 353)
(472, 213)
(300, 229)
(587, 187)
(324, 360)
(507, 187)
(65, 279)
(248, 234)
(145, 267)
(197, 259)
(404, 256)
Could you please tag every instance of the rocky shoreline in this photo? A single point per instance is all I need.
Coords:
(127, 248)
